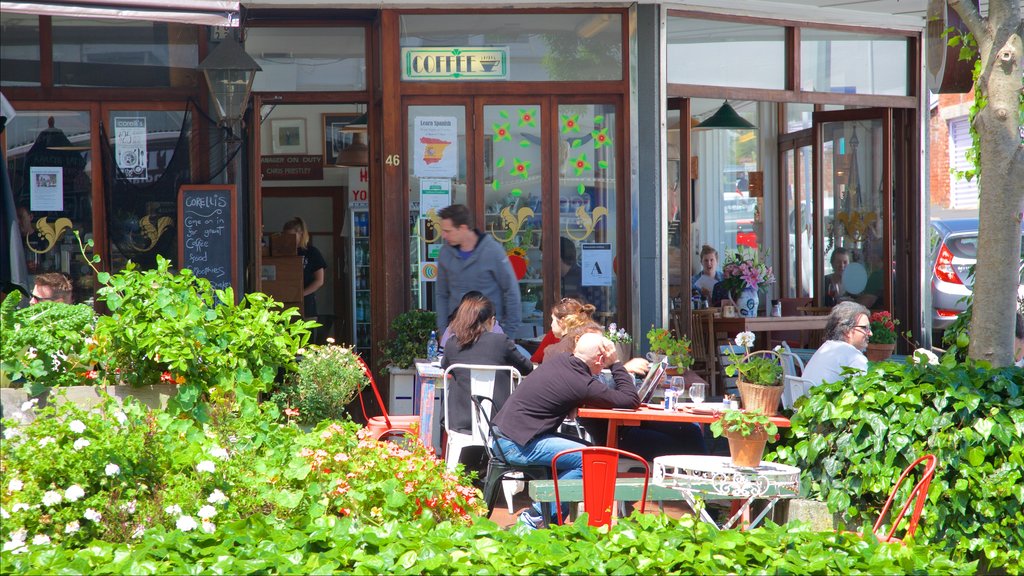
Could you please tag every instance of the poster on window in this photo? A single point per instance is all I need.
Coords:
(435, 194)
(130, 147)
(436, 147)
(597, 264)
(46, 189)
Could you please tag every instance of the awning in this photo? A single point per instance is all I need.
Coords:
(205, 12)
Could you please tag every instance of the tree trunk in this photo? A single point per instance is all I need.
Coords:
(1001, 183)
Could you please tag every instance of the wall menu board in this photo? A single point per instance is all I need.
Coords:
(209, 227)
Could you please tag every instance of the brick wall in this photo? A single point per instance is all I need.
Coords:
(950, 106)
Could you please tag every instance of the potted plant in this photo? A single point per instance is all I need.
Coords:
(411, 332)
(622, 340)
(327, 379)
(677, 349)
(743, 278)
(883, 336)
(758, 375)
(748, 432)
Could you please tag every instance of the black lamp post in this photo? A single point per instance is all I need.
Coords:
(229, 73)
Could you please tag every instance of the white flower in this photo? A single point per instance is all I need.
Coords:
(139, 531)
(89, 340)
(76, 426)
(47, 440)
(56, 363)
(40, 539)
(72, 527)
(186, 523)
(17, 542)
(330, 340)
(216, 497)
(19, 506)
(745, 339)
(923, 355)
(206, 466)
(613, 327)
(52, 498)
(218, 452)
(81, 443)
(207, 512)
(74, 493)
(209, 527)
(4, 514)
(173, 510)
(12, 432)
(120, 417)
(25, 407)
(15, 485)
(129, 507)
(31, 353)
(112, 469)
(92, 515)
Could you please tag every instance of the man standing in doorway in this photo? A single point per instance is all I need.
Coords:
(470, 260)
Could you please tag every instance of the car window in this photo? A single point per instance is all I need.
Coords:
(963, 246)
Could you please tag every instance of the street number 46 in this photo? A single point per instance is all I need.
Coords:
(393, 160)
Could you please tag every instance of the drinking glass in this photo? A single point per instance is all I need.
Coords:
(697, 391)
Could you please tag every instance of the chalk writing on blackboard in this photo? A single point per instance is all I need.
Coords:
(208, 231)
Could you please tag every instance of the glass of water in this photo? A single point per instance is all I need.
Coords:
(697, 392)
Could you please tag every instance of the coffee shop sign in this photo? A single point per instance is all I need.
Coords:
(455, 63)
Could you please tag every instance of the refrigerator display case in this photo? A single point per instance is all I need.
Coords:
(359, 272)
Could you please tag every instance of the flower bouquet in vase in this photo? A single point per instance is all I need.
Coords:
(748, 434)
(882, 341)
(744, 278)
(758, 376)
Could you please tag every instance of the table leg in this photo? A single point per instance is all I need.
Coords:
(613, 433)
(740, 513)
(768, 508)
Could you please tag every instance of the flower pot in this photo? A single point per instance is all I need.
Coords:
(529, 307)
(748, 302)
(746, 451)
(625, 350)
(758, 398)
(879, 352)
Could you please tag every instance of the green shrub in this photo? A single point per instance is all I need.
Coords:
(327, 379)
(854, 438)
(42, 344)
(411, 331)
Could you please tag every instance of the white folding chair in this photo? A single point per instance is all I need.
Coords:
(481, 378)
(793, 385)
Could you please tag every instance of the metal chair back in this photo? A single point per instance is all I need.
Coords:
(917, 498)
(600, 473)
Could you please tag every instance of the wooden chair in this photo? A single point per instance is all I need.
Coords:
(600, 473)
(702, 338)
(813, 338)
(917, 497)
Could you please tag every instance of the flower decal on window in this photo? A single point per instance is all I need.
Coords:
(570, 123)
(580, 164)
(601, 138)
(502, 132)
(520, 168)
(528, 118)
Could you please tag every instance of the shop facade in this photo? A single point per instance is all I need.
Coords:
(561, 128)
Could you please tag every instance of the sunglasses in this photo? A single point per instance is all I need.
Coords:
(38, 298)
(866, 328)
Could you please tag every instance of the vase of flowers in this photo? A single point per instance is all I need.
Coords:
(883, 336)
(748, 433)
(622, 340)
(758, 376)
(744, 278)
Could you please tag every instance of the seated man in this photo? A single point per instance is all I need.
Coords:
(846, 338)
(526, 426)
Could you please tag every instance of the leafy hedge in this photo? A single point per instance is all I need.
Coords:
(854, 438)
(43, 343)
(644, 544)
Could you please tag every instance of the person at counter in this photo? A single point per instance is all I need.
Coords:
(313, 265)
(526, 427)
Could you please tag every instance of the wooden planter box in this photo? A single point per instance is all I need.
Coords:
(85, 397)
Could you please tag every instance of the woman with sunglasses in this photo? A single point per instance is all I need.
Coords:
(846, 334)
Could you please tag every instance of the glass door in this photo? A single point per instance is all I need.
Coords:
(795, 167)
(855, 199)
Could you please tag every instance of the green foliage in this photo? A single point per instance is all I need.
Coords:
(744, 423)
(167, 327)
(677, 349)
(328, 378)
(411, 330)
(854, 437)
(762, 367)
(42, 344)
(640, 544)
(883, 328)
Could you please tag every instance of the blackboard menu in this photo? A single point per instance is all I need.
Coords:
(206, 244)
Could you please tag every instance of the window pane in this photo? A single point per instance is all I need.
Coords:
(541, 46)
(124, 53)
(50, 165)
(142, 191)
(719, 53)
(678, 282)
(798, 116)
(853, 63)
(431, 170)
(308, 59)
(805, 198)
(19, 50)
(587, 189)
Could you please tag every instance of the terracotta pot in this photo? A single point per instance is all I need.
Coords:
(758, 398)
(746, 451)
(519, 264)
(879, 352)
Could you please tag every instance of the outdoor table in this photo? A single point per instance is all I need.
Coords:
(716, 478)
(769, 324)
(705, 413)
(428, 388)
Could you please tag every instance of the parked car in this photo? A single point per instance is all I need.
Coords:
(954, 249)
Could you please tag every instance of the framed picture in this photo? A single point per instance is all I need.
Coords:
(288, 135)
(335, 139)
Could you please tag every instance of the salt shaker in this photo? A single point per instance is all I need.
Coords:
(776, 308)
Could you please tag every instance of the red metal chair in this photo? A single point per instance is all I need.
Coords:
(600, 473)
(384, 425)
(917, 497)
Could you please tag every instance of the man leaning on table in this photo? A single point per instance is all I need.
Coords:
(846, 334)
(527, 425)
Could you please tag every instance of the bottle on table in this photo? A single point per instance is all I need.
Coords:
(432, 346)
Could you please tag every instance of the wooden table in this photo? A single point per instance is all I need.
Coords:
(769, 324)
(620, 417)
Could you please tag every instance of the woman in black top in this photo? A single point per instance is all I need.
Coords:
(313, 266)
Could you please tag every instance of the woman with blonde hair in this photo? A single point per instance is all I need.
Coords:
(313, 265)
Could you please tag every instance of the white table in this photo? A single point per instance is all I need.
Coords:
(715, 478)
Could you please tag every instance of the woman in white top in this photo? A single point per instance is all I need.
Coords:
(846, 333)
